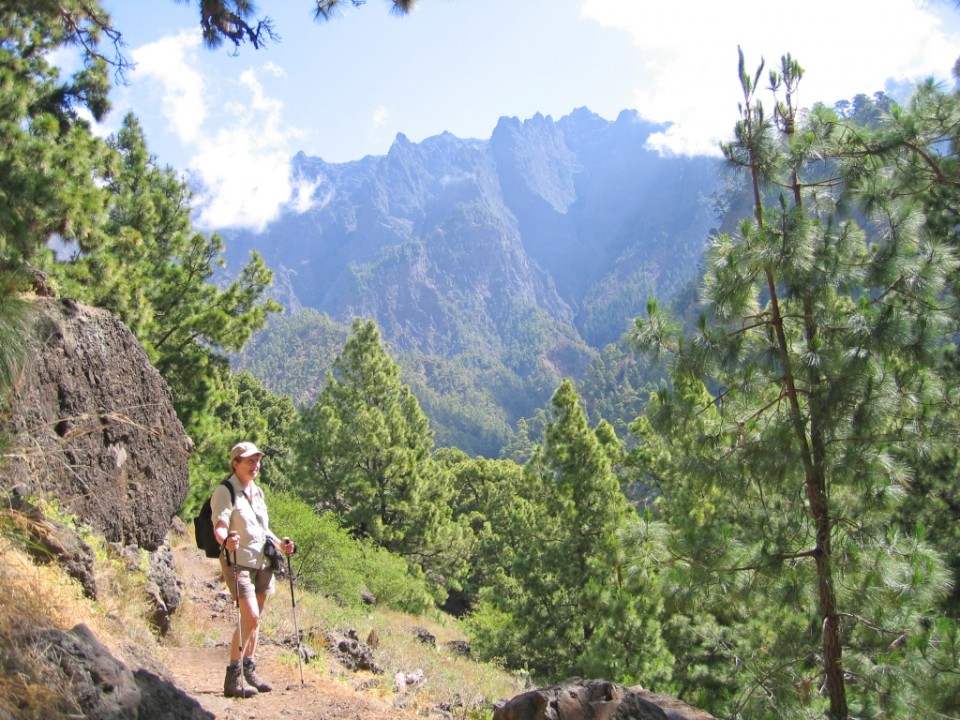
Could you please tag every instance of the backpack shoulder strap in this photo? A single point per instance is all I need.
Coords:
(233, 494)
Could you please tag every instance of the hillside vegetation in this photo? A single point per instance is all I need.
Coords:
(766, 525)
(37, 684)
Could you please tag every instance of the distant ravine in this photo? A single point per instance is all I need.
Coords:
(533, 249)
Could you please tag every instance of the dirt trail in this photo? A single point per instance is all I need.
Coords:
(199, 671)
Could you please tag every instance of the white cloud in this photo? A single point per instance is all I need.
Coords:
(170, 61)
(304, 196)
(245, 166)
(457, 178)
(274, 69)
(240, 148)
(242, 186)
(380, 117)
(689, 52)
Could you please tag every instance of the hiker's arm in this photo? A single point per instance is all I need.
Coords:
(222, 533)
(221, 506)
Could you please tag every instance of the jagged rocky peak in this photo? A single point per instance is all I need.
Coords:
(551, 229)
(556, 212)
(400, 143)
(533, 159)
(303, 164)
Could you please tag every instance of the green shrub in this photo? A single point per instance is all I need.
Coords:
(331, 562)
(395, 583)
(493, 636)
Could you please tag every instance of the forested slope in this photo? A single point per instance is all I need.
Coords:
(493, 268)
(795, 556)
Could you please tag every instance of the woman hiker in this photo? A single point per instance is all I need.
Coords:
(243, 530)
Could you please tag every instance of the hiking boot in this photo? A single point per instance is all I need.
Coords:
(250, 675)
(233, 686)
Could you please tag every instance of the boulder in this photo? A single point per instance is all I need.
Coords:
(103, 688)
(460, 648)
(350, 651)
(577, 699)
(93, 426)
(423, 636)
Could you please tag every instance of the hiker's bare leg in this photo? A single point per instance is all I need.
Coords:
(250, 624)
(253, 638)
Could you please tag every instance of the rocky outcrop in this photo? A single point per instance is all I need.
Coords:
(48, 540)
(102, 687)
(93, 426)
(164, 588)
(578, 699)
(350, 651)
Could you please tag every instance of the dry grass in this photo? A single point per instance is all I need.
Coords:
(43, 596)
(33, 598)
(450, 679)
(464, 687)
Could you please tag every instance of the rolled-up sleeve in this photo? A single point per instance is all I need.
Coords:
(220, 505)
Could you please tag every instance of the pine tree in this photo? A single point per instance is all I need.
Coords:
(922, 141)
(820, 348)
(365, 453)
(50, 162)
(484, 494)
(563, 601)
(234, 20)
(156, 273)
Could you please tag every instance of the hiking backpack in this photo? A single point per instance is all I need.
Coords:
(203, 525)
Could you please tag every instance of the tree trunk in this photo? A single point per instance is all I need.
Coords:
(832, 650)
(813, 452)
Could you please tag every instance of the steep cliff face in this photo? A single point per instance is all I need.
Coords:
(92, 425)
(439, 258)
(443, 242)
(508, 262)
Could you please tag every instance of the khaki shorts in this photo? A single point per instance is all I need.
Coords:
(252, 582)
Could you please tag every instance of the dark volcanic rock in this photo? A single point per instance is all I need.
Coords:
(103, 688)
(164, 588)
(350, 651)
(578, 699)
(94, 426)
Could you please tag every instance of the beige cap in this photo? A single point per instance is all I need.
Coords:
(243, 450)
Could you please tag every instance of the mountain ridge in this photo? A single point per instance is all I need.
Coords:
(534, 248)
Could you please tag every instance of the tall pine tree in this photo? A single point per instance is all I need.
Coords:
(820, 345)
(365, 453)
(562, 601)
(50, 162)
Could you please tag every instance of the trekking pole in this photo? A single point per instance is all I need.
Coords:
(296, 626)
(236, 599)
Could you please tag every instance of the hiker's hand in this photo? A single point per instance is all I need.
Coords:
(232, 542)
(287, 546)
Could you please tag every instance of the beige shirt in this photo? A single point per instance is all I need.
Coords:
(248, 518)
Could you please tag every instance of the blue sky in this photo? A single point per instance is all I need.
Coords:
(341, 90)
